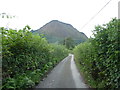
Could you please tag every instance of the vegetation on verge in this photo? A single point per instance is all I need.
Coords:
(98, 58)
(26, 58)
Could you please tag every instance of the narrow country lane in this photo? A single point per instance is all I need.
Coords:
(64, 75)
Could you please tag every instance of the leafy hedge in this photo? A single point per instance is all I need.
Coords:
(99, 56)
(26, 58)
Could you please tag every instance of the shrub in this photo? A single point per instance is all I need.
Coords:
(26, 58)
(100, 55)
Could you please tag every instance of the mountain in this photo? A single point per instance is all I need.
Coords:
(56, 31)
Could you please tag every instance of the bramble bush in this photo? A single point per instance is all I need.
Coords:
(26, 58)
(99, 56)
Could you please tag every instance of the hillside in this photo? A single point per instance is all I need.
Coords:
(56, 31)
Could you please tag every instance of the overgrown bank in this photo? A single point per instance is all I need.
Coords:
(26, 58)
(98, 58)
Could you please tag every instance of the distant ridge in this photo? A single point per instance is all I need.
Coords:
(57, 31)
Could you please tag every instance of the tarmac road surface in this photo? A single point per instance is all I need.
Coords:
(64, 75)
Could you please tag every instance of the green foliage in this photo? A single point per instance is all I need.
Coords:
(58, 52)
(69, 43)
(99, 57)
(4, 15)
(26, 58)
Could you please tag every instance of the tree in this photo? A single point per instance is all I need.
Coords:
(68, 42)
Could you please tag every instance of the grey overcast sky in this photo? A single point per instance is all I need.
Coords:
(36, 13)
